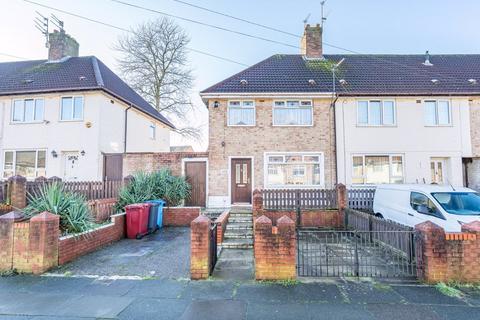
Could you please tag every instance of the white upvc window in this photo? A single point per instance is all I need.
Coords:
(28, 163)
(293, 113)
(377, 169)
(376, 113)
(241, 113)
(152, 131)
(437, 113)
(28, 110)
(294, 170)
(71, 108)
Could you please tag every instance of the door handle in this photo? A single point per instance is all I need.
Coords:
(411, 215)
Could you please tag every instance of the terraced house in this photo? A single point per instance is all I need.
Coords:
(72, 117)
(312, 120)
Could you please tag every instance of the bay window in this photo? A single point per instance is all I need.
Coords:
(27, 110)
(241, 113)
(27, 163)
(294, 170)
(71, 109)
(377, 169)
(293, 113)
(437, 113)
(376, 113)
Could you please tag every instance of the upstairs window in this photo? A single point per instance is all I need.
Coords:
(153, 131)
(376, 113)
(437, 113)
(241, 113)
(293, 113)
(72, 109)
(28, 110)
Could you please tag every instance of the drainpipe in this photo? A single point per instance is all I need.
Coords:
(125, 132)
(334, 102)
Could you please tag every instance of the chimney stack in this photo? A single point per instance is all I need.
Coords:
(61, 45)
(311, 43)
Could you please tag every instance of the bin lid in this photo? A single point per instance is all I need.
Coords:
(159, 201)
(137, 206)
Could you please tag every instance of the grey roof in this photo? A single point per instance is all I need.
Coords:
(71, 74)
(364, 75)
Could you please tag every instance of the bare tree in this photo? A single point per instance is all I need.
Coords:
(154, 62)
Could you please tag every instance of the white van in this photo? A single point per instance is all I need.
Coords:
(411, 204)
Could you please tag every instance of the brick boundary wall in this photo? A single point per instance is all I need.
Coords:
(221, 223)
(149, 161)
(275, 249)
(445, 257)
(180, 216)
(309, 218)
(74, 246)
(102, 209)
(200, 248)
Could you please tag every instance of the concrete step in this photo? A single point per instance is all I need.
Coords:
(241, 215)
(239, 234)
(237, 243)
(237, 219)
(241, 210)
(240, 226)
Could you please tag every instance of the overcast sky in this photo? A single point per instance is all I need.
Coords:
(369, 26)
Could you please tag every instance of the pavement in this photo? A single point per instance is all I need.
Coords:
(80, 297)
(164, 254)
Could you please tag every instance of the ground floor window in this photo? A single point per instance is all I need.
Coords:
(27, 163)
(377, 169)
(294, 170)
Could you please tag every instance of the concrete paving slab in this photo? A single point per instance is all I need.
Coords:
(164, 288)
(208, 290)
(18, 283)
(165, 309)
(214, 310)
(457, 312)
(426, 295)
(95, 307)
(109, 287)
(365, 292)
(15, 317)
(60, 285)
(402, 312)
(33, 304)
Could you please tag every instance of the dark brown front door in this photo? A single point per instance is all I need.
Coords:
(241, 181)
(113, 167)
(196, 175)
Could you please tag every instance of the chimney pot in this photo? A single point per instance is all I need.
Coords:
(311, 43)
(61, 45)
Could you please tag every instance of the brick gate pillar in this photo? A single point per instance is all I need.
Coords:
(200, 248)
(43, 242)
(17, 188)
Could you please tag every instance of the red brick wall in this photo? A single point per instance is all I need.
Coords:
(200, 248)
(221, 222)
(72, 247)
(102, 209)
(275, 249)
(149, 162)
(180, 216)
(444, 257)
(5, 208)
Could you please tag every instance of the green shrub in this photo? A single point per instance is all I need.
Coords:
(150, 186)
(71, 207)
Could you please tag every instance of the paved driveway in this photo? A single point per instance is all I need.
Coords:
(165, 254)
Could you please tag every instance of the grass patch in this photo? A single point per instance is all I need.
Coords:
(9, 273)
(285, 283)
(448, 290)
(382, 286)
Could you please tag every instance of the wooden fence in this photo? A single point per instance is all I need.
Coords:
(3, 191)
(361, 199)
(91, 190)
(290, 199)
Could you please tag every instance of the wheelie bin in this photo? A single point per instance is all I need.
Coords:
(161, 204)
(153, 216)
(137, 220)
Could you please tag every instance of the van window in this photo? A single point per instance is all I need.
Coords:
(418, 199)
(461, 203)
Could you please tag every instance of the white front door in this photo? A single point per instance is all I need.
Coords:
(71, 165)
(438, 170)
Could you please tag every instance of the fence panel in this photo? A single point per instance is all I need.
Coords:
(361, 199)
(291, 199)
(3, 191)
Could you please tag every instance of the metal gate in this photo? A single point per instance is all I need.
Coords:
(332, 253)
(213, 246)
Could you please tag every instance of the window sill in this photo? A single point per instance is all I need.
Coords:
(241, 125)
(438, 125)
(377, 126)
(23, 122)
(293, 125)
(75, 120)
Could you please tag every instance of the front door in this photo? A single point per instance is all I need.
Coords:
(241, 181)
(196, 175)
(437, 169)
(71, 165)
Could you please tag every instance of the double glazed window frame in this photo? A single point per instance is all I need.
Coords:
(14, 169)
(286, 107)
(34, 99)
(437, 117)
(369, 122)
(364, 176)
(73, 119)
(241, 106)
(152, 131)
(300, 165)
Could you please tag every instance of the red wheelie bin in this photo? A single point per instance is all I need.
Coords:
(137, 220)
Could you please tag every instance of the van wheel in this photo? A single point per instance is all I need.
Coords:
(379, 215)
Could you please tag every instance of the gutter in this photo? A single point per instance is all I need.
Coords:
(125, 126)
